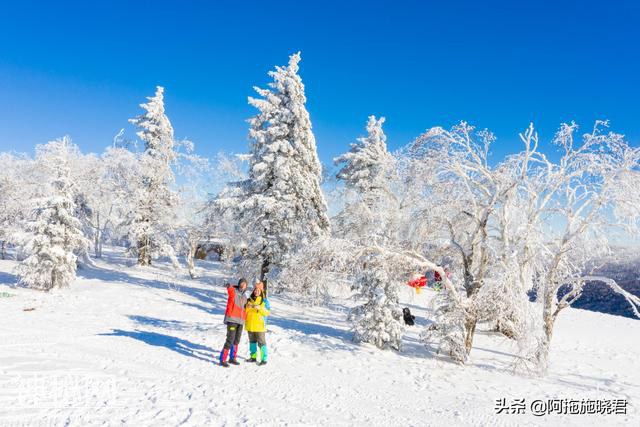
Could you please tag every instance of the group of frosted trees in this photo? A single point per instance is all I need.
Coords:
(514, 230)
(58, 203)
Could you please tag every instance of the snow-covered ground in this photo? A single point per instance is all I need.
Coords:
(136, 346)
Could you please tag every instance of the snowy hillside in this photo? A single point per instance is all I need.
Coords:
(136, 346)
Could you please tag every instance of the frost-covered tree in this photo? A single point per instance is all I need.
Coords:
(191, 226)
(378, 321)
(280, 206)
(367, 170)
(369, 221)
(54, 234)
(15, 189)
(316, 272)
(582, 203)
(464, 190)
(526, 222)
(151, 224)
(367, 166)
(112, 197)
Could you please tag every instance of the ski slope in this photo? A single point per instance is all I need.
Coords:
(136, 346)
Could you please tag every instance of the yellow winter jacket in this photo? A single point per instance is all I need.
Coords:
(256, 312)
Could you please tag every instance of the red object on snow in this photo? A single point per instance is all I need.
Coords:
(420, 282)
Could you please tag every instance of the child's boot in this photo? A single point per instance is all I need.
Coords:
(223, 357)
(234, 353)
(253, 349)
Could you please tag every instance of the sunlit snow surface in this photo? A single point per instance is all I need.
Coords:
(137, 346)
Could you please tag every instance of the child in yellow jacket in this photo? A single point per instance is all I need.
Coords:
(255, 324)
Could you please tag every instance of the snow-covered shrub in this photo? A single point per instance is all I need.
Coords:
(448, 331)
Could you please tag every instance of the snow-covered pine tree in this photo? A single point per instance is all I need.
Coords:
(367, 171)
(155, 201)
(366, 166)
(369, 221)
(54, 234)
(379, 320)
(281, 204)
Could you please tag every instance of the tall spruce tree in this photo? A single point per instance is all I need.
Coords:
(369, 219)
(366, 170)
(281, 204)
(154, 212)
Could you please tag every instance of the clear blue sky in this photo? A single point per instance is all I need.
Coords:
(82, 68)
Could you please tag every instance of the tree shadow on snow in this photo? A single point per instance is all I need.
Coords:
(322, 337)
(308, 328)
(512, 356)
(179, 345)
(207, 296)
(218, 305)
(176, 325)
(8, 279)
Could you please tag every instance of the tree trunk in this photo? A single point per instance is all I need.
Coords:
(191, 260)
(470, 329)
(471, 320)
(144, 257)
(96, 238)
(96, 244)
(505, 330)
(548, 317)
(264, 269)
(2, 253)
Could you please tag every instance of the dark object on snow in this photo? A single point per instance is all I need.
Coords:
(409, 319)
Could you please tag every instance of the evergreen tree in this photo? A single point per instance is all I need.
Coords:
(369, 220)
(281, 204)
(370, 213)
(379, 320)
(367, 165)
(155, 201)
(54, 235)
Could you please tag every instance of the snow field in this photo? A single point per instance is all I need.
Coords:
(137, 346)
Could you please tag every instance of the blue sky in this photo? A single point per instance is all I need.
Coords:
(82, 68)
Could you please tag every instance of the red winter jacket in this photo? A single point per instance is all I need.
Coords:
(235, 312)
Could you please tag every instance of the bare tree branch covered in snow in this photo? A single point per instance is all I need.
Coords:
(590, 196)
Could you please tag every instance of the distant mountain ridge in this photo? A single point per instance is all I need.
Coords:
(625, 270)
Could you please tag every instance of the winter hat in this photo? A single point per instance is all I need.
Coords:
(259, 286)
